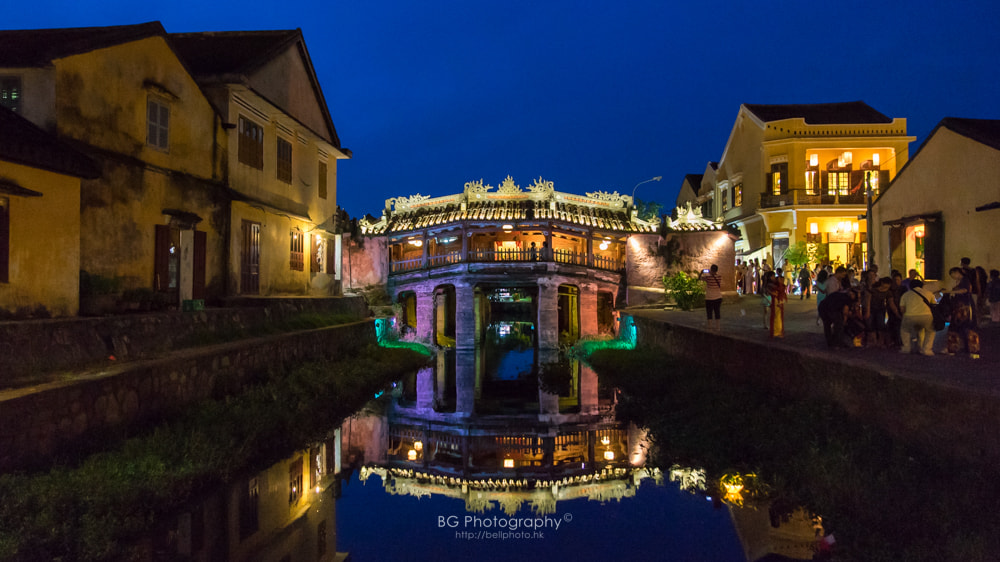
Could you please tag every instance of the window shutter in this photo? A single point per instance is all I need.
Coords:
(784, 178)
(161, 258)
(934, 249)
(4, 240)
(331, 254)
(824, 181)
(897, 248)
(198, 289)
(857, 182)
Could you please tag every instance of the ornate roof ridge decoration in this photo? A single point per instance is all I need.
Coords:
(373, 226)
(542, 187)
(402, 203)
(614, 199)
(691, 219)
(476, 186)
(508, 187)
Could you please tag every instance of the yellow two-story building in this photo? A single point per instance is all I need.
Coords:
(801, 173)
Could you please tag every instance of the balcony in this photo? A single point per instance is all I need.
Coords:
(800, 197)
(567, 257)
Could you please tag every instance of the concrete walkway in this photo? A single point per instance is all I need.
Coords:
(745, 320)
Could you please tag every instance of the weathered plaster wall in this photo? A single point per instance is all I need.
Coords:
(954, 175)
(44, 267)
(962, 423)
(651, 256)
(365, 261)
(38, 422)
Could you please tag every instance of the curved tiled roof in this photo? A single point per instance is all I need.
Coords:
(37, 47)
(597, 210)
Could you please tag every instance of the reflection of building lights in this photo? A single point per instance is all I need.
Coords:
(412, 455)
(508, 227)
(609, 455)
(605, 440)
(418, 445)
(508, 463)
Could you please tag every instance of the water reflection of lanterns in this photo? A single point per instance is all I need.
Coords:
(508, 463)
(412, 455)
(418, 445)
(605, 441)
(609, 455)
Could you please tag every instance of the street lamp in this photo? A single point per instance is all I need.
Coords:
(656, 178)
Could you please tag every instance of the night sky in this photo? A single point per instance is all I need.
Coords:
(593, 96)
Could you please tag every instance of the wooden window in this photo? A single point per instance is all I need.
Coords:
(738, 195)
(157, 124)
(316, 254)
(297, 245)
(10, 93)
(838, 183)
(331, 256)
(294, 482)
(322, 180)
(812, 181)
(167, 259)
(284, 163)
(251, 149)
(250, 258)
(4, 240)
(777, 179)
(249, 509)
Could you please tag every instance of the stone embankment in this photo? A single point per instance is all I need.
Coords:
(37, 422)
(948, 404)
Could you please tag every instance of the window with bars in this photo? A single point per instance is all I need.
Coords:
(157, 123)
(10, 93)
(284, 163)
(251, 143)
(297, 258)
(322, 180)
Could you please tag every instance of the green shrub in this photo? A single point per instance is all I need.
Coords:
(686, 290)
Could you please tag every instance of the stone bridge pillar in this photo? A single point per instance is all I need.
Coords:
(548, 314)
(588, 390)
(588, 310)
(465, 383)
(465, 316)
(425, 314)
(425, 390)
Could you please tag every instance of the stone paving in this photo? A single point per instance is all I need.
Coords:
(744, 319)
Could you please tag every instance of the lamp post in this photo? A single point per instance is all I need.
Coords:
(655, 178)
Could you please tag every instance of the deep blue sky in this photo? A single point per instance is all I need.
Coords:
(430, 95)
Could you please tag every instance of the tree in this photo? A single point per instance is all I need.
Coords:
(801, 253)
(647, 209)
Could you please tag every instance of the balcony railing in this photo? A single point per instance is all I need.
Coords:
(508, 256)
(800, 197)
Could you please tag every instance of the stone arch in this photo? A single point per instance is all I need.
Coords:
(605, 312)
(569, 313)
(443, 331)
(407, 301)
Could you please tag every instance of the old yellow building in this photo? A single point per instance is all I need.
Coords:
(282, 159)
(39, 219)
(157, 215)
(792, 173)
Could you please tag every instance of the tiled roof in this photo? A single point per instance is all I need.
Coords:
(229, 52)
(820, 113)
(37, 47)
(986, 131)
(21, 141)
(514, 211)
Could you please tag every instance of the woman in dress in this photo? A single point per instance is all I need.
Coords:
(821, 278)
(776, 290)
(962, 328)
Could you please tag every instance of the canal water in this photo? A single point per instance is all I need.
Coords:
(501, 453)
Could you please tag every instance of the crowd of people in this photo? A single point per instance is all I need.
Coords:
(890, 312)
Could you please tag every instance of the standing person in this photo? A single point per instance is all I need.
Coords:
(765, 296)
(880, 306)
(918, 321)
(805, 282)
(993, 295)
(533, 252)
(713, 297)
(778, 295)
(962, 328)
(821, 279)
(895, 313)
(970, 273)
(982, 307)
(910, 276)
(789, 272)
(739, 276)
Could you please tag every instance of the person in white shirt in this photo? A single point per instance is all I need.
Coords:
(918, 322)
